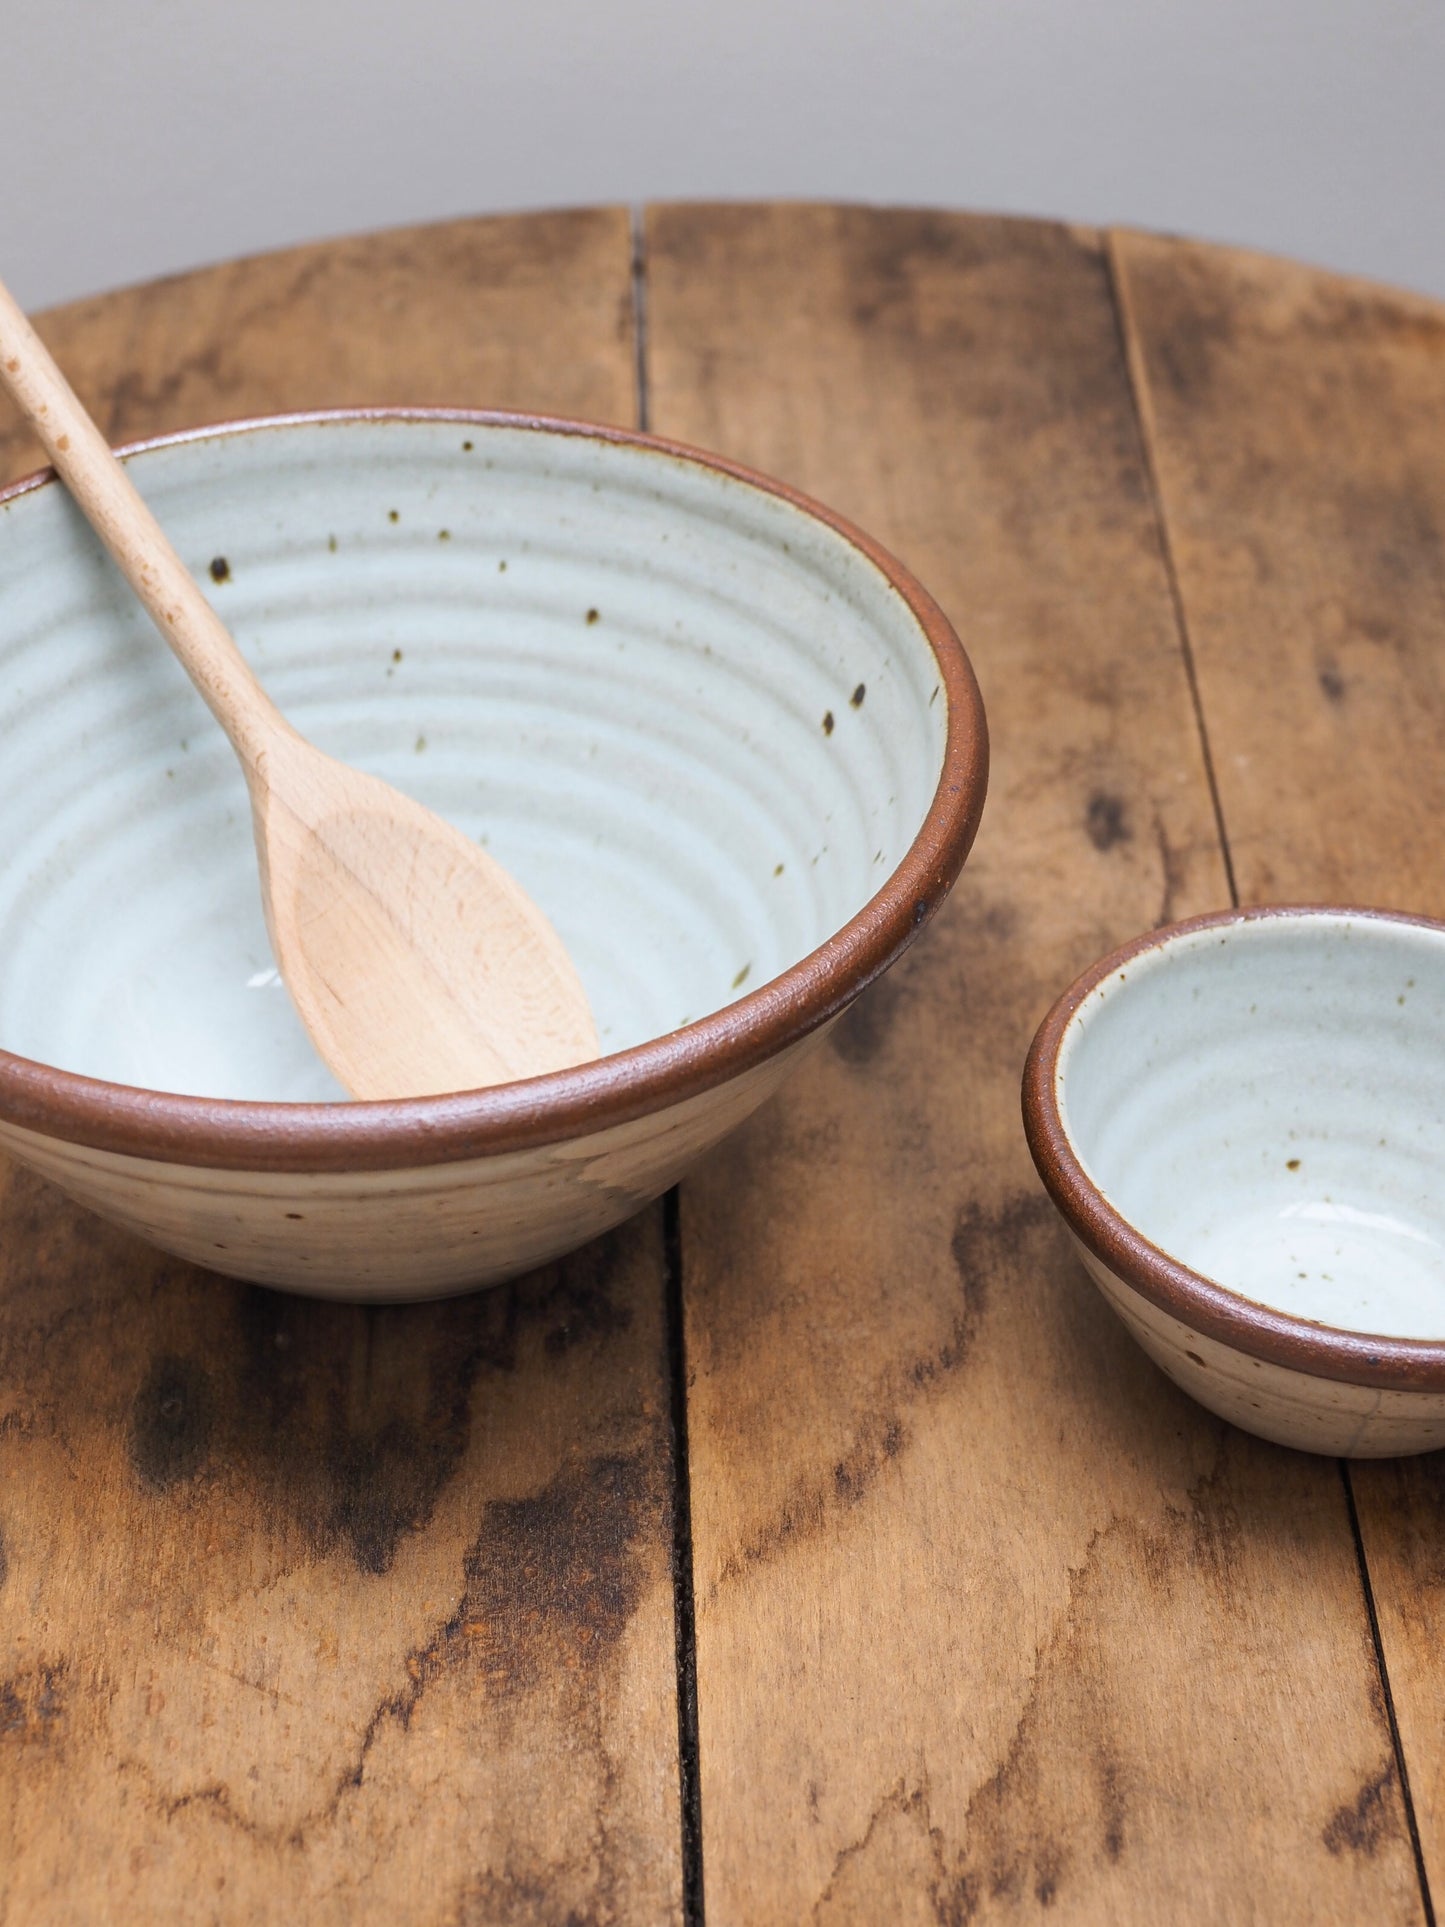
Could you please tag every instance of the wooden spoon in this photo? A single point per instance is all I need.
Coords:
(416, 962)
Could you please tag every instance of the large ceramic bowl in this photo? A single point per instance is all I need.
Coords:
(734, 751)
(1242, 1121)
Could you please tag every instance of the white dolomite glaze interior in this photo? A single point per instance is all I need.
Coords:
(1264, 1101)
(698, 725)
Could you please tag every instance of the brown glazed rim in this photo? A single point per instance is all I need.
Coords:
(1299, 1344)
(392, 1135)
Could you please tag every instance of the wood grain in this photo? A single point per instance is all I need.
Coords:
(991, 1620)
(532, 312)
(1298, 420)
(311, 1612)
(1298, 424)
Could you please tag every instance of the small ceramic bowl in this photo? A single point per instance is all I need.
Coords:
(1242, 1121)
(731, 747)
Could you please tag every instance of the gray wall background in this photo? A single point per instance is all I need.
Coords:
(156, 135)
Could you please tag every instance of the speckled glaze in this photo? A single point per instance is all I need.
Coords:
(731, 747)
(1242, 1120)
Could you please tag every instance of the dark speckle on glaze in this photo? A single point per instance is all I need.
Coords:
(856, 699)
(171, 1420)
(220, 569)
(828, 724)
(592, 616)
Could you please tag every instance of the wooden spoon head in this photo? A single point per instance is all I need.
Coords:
(418, 965)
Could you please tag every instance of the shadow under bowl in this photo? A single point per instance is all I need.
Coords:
(731, 747)
(1241, 1119)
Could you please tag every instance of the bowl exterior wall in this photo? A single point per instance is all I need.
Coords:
(424, 1232)
(1289, 1407)
(638, 675)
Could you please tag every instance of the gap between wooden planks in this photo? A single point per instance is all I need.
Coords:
(1298, 423)
(990, 1618)
(310, 1612)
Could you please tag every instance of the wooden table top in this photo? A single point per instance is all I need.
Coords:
(817, 1547)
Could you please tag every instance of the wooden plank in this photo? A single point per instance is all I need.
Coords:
(1298, 420)
(533, 312)
(989, 1617)
(1299, 423)
(310, 1612)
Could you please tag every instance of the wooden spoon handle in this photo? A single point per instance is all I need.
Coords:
(139, 545)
